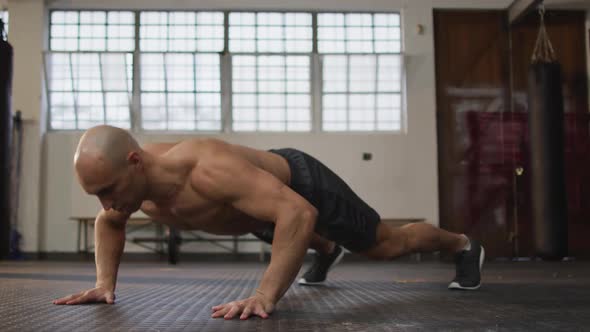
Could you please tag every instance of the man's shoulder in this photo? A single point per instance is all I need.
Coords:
(202, 147)
(195, 145)
(158, 147)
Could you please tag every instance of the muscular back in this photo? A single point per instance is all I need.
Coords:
(189, 209)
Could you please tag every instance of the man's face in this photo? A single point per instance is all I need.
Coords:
(121, 189)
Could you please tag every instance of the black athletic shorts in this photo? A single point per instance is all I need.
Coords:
(343, 217)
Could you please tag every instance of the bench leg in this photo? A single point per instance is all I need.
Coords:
(173, 251)
(262, 253)
(78, 250)
(86, 240)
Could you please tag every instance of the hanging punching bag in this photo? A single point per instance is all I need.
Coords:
(547, 151)
(5, 143)
(547, 160)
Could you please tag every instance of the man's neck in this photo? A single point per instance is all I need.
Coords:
(164, 179)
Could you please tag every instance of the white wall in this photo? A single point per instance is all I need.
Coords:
(26, 36)
(400, 181)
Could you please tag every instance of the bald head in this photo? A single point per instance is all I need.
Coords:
(102, 149)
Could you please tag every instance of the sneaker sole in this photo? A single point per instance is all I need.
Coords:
(455, 285)
(302, 281)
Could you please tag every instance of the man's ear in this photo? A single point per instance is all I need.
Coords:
(135, 159)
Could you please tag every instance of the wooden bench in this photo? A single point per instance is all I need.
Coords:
(171, 238)
(133, 225)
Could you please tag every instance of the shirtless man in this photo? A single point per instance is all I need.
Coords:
(284, 196)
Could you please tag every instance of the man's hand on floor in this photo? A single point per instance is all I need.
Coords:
(93, 295)
(256, 305)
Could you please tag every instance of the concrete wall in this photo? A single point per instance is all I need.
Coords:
(400, 181)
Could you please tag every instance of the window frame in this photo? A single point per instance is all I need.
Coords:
(5, 13)
(225, 67)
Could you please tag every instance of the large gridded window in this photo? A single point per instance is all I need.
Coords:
(4, 17)
(92, 31)
(90, 69)
(181, 31)
(181, 70)
(180, 91)
(89, 89)
(271, 93)
(261, 63)
(271, 88)
(270, 32)
(362, 70)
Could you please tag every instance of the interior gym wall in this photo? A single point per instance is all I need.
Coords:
(400, 181)
(480, 131)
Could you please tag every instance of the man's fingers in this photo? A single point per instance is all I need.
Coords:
(260, 312)
(81, 299)
(221, 311)
(65, 299)
(110, 298)
(247, 312)
(91, 295)
(232, 312)
(242, 309)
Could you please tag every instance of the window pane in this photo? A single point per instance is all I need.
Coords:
(270, 32)
(181, 31)
(88, 89)
(362, 70)
(59, 72)
(152, 72)
(179, 72)
(361, 92)
(181, 111)
(62, 110)
(153, 111)
(86, 72)
(207, 73)
(90, 109)
(117, 109)
(4, 17)
(389, 73)
(335, 73)
(359, 33)
(271, 93)
(92, 31)
(181, 91)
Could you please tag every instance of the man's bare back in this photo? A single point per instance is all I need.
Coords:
(190, 209)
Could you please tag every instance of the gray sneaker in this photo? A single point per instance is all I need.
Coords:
(468, 265)
(318, 271)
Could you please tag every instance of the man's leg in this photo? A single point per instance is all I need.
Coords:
(393, 242)
(328, 254)
(322, 245)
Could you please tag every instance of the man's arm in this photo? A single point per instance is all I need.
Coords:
(109, 239)
(229, 178)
